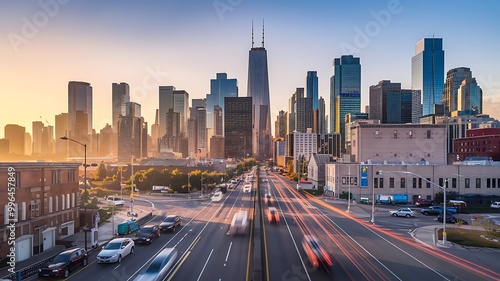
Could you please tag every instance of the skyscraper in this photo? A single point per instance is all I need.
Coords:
(238, 127)
(312, 88)
(258, 90)
(470, 96)
(131, 138)
(321, 116)
(79, 110)
(346, 79)
(390, 104)
(166, 102)
(427, 72)
(303, 111)
(120, 94)
(346, 103)
(220, 88)
(280, 125)
(16, 136)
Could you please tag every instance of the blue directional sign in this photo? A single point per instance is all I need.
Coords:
(363, 172)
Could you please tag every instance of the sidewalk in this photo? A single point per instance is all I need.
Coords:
(106, 232)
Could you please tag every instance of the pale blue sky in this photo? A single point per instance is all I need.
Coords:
(185, 43)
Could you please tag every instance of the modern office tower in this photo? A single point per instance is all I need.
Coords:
(166, 102)
(321, 116)
(454, 78)
(15, 134)
(48, 142)
(154, 134)
(427, 72)
(291, 114)
(105, 140)
(238, 127)
(416, 106)
(120, 94)
(181, 106)
(218, 121)
(198, 130)
(220, 87)
(303, 111)
(390, 104)
(470, 96)
(131, 138)
(79, 110)
(27, 144)
(312, 88)
(280, 125)
(61, 129)
(329, 144)
(37, 133)
(217, 147)
(258, 90)
(345, 79)
(202, 140)
(346, 103)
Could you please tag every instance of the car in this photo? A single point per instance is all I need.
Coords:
(316, 254)
(268, 199)
(147, 233)
(239, 223)
(247, 188)
(495, 205)
(170, 223)
(217, 196)
(273, 215)
(160, 266)
(424, 202)
(116, 250)
(452, 219)
(64, 262)
(117, 201)
(404, 212)
(436, 210)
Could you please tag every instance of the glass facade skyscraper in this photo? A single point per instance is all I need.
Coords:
(258, 90)
(312, 88)
(220, 88)
(346, 79)
(427, 72)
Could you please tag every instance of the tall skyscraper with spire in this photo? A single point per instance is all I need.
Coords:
(258, 89)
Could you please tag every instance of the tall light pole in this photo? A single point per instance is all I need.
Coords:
(84, 186)
(349, 190)
(445, 209)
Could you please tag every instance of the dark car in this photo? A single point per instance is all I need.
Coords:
(170, 223)
(147, 233)
(62, 264)
(452, 219)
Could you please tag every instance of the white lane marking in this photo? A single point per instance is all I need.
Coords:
(180, 240)
(117, 266)
(203, 269)
(228, 251)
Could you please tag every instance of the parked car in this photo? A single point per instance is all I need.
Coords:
(404, 212)
(170, 223)
(495, 205)
(159, 267)
(62, 264)
(315, 252)
(452, 219)
(117, 201)
(273, 215)
(424, 202)
(436, 210)
(147, 233)
(115, 250)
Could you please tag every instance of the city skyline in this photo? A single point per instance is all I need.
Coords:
(47, 45)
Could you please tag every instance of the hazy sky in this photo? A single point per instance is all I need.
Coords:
(45, 44)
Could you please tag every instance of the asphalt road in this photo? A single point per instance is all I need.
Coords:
(358, 249)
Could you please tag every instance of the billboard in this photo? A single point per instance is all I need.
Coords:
(363, 172)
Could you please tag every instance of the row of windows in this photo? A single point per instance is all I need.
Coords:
(469, 143)
(67, 201)
(395, 134)
(476, 149)
(419, 183)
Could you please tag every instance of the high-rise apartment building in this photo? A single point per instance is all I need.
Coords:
(321, 116)
(166, 102)
(238, 127)
(258, 90)
(132, 139)
(220, 87)
(345, 80)
(303, 111)
(454, 78)
(79, 110)
(181, 106)
(427, 72)
(280, 125)
(120, 94)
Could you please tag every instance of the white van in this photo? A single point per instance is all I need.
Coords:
(239, 223)
(115, 200)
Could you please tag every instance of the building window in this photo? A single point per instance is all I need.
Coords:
(414, 183)
(23, 211)
(419, 182)
(403, 183)
(454, 183)
(428, 183)
(441, 182)
(381, 182)
(478, 182)
(71, 175)
(428, 134)
(467, 183)
(56, 176)
(395, 134)
(488, 183)
(375, 182)
(391, 182)
(493, 183)
(50, 204)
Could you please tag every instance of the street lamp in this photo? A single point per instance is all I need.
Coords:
(85, 184)
(444, 196)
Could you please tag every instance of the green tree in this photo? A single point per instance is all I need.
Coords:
(101, 172)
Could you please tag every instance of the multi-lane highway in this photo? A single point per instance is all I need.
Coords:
(357, 249)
